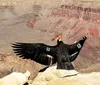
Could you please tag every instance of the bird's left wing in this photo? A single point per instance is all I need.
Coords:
(35, 51)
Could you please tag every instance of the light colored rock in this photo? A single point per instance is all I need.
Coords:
(52, 76)
(67, 82)
(52, 73)
(80, 79)
(15, 78)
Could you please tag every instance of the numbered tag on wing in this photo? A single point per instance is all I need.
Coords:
(47, 49)
(79, 45)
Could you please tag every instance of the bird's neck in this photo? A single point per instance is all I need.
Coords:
(59, 42)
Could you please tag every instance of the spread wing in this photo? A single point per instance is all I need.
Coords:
(75, 49)
(77, 46)
(38, 52)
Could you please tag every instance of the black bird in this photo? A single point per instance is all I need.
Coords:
(62, 54)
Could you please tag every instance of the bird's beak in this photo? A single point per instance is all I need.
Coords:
(58, 37)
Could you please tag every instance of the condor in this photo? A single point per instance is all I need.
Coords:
(61, 53)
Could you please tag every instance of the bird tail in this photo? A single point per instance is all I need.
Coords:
(66, 65)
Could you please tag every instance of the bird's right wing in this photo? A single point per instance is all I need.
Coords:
(34, 51)
(76, 47)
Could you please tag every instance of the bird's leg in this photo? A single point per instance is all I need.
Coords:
(69, 66)
(65, 63)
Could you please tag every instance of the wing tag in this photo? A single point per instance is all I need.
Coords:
(79, 45)
(47, 49)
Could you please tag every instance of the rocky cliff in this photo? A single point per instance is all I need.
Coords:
(52, 76)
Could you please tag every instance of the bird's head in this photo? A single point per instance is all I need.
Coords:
(58, 38)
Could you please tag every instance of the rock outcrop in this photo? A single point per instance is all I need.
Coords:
(9, 64)
(15, 78)
(52, 76)
(80, 79)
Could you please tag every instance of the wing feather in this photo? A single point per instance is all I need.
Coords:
(33, 51)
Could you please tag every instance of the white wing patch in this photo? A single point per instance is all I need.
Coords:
(74, 54)
(50, 59)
